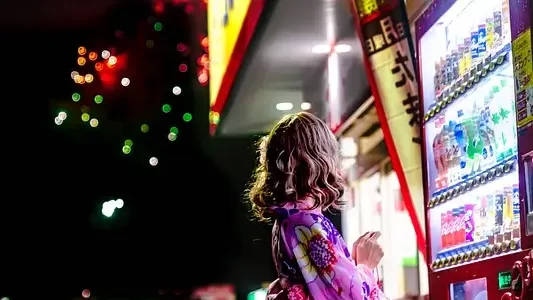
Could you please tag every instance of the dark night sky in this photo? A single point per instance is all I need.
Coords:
(183, 222)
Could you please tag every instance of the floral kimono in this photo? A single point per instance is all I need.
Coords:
(313, 261)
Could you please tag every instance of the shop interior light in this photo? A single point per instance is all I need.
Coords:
(284, 106)
(343, 48)
(305, 106)
(321, 49)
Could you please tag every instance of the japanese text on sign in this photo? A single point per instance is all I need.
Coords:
(411, 101)
(386, 34)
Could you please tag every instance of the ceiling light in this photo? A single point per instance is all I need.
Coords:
(305, 106)
(321, 49)
(342, 48)
(284, 106)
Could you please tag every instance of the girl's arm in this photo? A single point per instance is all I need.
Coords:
(324, 261)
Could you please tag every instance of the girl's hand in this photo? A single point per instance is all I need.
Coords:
(366, 250)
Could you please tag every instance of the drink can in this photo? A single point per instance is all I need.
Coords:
(516, 204)
(498, 211)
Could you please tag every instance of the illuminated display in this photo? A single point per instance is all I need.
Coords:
(225, 20)
(504, 280)
(470, 134)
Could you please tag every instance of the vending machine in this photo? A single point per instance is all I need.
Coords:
(476, 95)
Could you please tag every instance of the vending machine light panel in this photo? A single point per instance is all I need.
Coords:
(504, 280)
(470, 134)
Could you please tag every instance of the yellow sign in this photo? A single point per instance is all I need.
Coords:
(523, 74)
(225, 19)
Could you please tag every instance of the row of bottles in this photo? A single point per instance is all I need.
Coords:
(472, 139)
(488, 218)
(486, 35)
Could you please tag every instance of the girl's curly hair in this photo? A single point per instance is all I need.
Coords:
(297, 160)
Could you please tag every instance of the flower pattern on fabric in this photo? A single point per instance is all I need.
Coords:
(374, 295)
(365, 290)
(315, 254)
(296, 292)
(311, 246)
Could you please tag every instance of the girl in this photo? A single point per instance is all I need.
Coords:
(296, 180)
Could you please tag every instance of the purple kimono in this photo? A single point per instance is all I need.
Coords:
(313, 261)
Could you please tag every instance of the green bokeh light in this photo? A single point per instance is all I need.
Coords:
(126, 149)
(187, 117)
(174, 130)
(76, 97)
(85, 117)
(145, 128)
(128, 143)
(166, 108)
(98, 99)
(158, 26)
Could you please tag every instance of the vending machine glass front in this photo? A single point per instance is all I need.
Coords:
(470, 133)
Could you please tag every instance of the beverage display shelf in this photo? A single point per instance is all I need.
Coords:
(469, 80)
(474, 181)
(474, 252)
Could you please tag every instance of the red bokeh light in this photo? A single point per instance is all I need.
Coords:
(181, 47)
(86, 293)
(159, 7)
(205, 42)
(183, 68)
(189, 9)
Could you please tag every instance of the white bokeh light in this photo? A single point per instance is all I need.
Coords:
(106, 54)
(119, 203)
(62, 115)
(58, 121)
(94, 122)
(176, 90)
(125, 81)
(154, 161)
(172, 136)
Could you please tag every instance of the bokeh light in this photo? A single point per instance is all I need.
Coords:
(126, 149)
(94, 122)
(172, 136)
(98, 99)
(174, 130)
(58, 121)
(166, 108)
(79, 79)
(176, 90)
(89, 78)
(181, 47)
(93, 56)
(187, 117)
(98, 66)
(62, 115)
(125, 81)
(85, 117)
(154, 161)
(76, 97)
(106, 54)
(81, 61)
(158, 26)
(73, 74)
(183, 68)
(149, 44)
(86, 293)
(128, 142)
(145, 128)
(82, 50)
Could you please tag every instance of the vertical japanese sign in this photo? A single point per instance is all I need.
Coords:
(384, 32)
